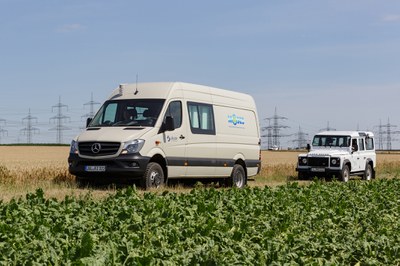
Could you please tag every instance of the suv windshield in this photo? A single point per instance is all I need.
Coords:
(331, 141)
(138, 112)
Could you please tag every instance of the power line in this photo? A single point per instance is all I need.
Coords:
(91, 105)
(301, 139)
(59, 119)
(29, 130)
(3, 132)
(385, 133)
(328, 128)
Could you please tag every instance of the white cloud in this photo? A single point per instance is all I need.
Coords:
(70, 27)
(391, 18)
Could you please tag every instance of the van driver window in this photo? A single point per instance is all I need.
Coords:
(175, 111)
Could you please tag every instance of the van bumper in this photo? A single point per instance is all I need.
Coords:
(130, 166)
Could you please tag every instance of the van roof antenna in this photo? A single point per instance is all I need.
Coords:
(136, 91)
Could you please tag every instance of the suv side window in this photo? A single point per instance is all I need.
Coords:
(369, 143)
(354, 144)
(175, 111)
(201, 118)
(361, 145)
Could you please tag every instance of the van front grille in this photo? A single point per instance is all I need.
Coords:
(98, 148)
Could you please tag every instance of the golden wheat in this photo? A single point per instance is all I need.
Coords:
(25, 168)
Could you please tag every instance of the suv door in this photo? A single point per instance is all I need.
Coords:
(355, 155)
(362, 154)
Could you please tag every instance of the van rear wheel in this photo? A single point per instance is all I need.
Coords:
(153, 176)
(238, 177)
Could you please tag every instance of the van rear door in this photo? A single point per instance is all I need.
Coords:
(201, 142)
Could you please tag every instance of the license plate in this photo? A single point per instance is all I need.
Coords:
(318, 169)
(95, 168)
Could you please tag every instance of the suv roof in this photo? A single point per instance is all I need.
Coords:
(346, 133)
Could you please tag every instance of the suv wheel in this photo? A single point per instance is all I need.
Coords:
(303, 176)
(367, 173)
(345, 174)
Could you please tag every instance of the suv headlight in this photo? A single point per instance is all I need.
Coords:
(335, 161)
(133, 146)
(74, 147)
(303, 161)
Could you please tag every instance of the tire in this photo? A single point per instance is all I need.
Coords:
(153, 176)
(238, 177)
(345, 174)
(82, 182)
(302, 176)
(368, 173)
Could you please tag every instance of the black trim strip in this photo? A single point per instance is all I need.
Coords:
(208, 162)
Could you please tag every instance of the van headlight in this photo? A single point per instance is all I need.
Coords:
(74, 147)
(133, 146)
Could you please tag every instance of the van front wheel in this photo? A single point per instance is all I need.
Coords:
(153, 176)
(238, 177)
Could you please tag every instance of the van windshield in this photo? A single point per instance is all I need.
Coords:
(122, 113)
(331, 141)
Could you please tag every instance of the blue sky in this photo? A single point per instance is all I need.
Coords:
(316, 61)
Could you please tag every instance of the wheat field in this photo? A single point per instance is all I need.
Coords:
(25, 168)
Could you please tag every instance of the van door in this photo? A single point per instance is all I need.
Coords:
(201, 143)
(174, 142)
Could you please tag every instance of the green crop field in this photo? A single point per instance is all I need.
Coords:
(45, 219)
(319, 224)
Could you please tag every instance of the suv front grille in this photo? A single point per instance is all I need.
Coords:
(318, 161)
(98, 148)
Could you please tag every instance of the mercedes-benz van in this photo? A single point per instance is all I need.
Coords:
(169, 130)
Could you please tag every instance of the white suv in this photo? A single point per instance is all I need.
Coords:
(340, 154)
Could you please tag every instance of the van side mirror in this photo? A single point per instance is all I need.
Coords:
(169, 124)
(88, 120)
(308, 147)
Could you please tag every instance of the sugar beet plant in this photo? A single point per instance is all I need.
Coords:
(320, 224)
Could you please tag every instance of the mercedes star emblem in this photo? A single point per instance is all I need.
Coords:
(96, 147)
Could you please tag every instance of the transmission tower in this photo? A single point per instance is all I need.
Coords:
(380, 135)
(389, 134)
(301, 139)
(91, 105)
(3, 132)
(328, 128)
(59, 119)
(268, 135)
(273, 131)
(29, 130)
(385, 133)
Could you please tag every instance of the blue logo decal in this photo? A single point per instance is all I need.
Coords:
(235, 120)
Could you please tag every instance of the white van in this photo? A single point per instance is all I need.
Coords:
(169, 130)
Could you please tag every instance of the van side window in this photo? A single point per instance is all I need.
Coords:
(175, 111)
(369, 143)
(201, 118)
